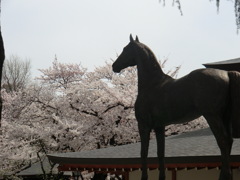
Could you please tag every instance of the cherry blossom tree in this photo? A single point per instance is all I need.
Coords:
(82, 116)
(61, 75)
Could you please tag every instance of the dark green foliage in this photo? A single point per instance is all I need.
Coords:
(237, 13)
(237, 9)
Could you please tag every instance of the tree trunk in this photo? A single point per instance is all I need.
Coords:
(2, 57)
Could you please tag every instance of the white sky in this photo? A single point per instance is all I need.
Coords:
(91, 32)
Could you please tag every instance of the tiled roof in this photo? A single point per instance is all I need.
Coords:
(229, 65)
(195, 144)
(36, 169)
(230, 61)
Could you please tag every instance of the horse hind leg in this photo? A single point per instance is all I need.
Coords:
(235, 102)
(224, 140)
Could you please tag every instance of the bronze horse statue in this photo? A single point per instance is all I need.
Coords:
(162, 100)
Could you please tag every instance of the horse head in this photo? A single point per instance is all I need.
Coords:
(127, 57)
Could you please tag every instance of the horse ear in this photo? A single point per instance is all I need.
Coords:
(137, 40)
(131, 38)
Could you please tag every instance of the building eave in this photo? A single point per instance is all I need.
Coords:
(229, 65)
(187, 162)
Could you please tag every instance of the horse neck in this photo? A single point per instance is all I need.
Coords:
(150, 73)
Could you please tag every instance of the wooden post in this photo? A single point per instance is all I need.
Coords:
(174, 174)
(126, 176)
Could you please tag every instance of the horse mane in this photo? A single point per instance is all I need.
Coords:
(151, 56)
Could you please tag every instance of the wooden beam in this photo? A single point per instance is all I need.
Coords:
(132, 167)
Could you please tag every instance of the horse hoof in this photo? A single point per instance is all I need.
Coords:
(225, 176)
(144, 178)
(162, 178)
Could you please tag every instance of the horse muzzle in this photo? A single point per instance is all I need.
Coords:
(115, 69)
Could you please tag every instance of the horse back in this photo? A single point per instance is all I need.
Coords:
(209, 90)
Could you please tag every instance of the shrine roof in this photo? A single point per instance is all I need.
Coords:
(36, 169)
(192, 147)
(229, 65)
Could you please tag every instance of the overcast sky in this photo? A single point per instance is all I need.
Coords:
(91, 32)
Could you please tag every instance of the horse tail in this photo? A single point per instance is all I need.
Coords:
(235, 102)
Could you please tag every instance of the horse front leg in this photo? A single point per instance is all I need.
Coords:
(144, 135)
(160, 136)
